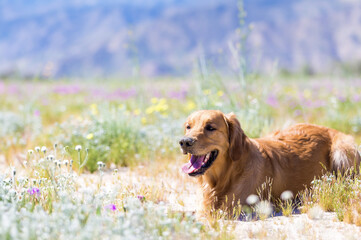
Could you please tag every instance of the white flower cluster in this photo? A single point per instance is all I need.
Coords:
(49, 202)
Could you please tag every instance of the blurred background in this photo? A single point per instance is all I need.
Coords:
(107, 38)
(121, 77)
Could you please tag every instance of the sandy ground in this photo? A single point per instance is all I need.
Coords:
(180, 193)
(298, 227)
(169, 185)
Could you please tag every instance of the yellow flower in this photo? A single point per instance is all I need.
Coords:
(190, 106)
(220, 93)
(94, 109)
(290, 90)
(207, 91)
(90, 136)
(143, 120)
(154, 100)
(307, 93)
(162, 101)
(136, 112)
(161, 107)
(149, 110)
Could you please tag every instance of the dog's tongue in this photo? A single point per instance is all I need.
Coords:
(194, 163)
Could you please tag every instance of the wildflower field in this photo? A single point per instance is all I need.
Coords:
(100, 159)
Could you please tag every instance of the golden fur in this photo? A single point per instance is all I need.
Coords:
(291, 157)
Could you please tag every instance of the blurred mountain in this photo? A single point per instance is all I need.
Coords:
(156, 37)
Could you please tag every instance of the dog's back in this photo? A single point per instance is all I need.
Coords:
(296, 155)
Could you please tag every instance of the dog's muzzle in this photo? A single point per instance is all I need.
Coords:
(186, 144)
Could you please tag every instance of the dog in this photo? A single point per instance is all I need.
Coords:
(231, 166)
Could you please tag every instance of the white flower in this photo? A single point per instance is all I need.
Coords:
(66, 162)
(264, 208)
(30, 151)
(78, 148)
(37, 149)
(12, 192)
(43, 149)
(100, 164)
(315, 213)
(252, 199)
(286, 195)
(51, 157)
(22, 180)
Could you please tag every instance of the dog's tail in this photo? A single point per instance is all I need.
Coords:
(344, 153)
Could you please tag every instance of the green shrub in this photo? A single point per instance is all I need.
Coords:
(115, 136)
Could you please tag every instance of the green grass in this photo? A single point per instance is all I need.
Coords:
(122, 123)
(339, 194)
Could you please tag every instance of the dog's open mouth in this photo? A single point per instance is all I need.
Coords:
(197, 165)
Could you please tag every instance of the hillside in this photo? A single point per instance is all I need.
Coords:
(100, 38)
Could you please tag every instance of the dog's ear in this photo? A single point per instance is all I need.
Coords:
(236, 136)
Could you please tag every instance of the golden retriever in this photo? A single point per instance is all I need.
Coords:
(232, 166)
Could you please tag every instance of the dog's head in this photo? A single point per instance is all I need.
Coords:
(211, 139)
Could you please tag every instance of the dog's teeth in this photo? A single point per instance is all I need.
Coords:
(207, 157)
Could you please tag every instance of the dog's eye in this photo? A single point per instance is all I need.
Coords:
(210, 128)
(188, 127)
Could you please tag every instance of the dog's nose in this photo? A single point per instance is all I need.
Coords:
(186, 142)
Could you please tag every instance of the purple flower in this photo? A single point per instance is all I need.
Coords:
(180, 95)
(97, 92)
(123, 94)
(36, 113)
(297, 113)
(34, 191)
(341, 98)
(66, 89)
(156, 94)
(272, 101)
(13, 89)
(111, 207)
(141, 198)
(356, 98)
(318, 103)
(2, 87)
